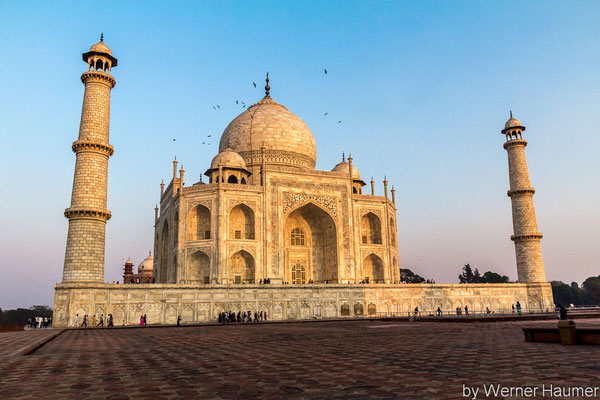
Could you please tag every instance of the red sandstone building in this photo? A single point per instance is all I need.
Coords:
(144, 273)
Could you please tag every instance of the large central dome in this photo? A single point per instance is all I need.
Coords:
(285, 137)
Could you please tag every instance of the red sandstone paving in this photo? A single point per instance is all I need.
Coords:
(339, 360)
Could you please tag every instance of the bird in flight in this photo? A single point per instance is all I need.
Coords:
(208, 136)
(236, 102)
(173, 139)
(325, 71)
(254, 84)
(325, 114)
(218, 107)
(214, 107)
(339, 122)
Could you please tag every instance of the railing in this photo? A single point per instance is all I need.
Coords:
(478, 314)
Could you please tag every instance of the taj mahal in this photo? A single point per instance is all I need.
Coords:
(325, 242)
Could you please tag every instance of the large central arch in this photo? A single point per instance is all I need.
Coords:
(310, 242)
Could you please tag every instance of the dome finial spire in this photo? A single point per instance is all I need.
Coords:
(102, 36)
(343, 156)
(267, 87)
(511, 113)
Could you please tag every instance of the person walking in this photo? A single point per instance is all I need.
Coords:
(94, 320)
(518, 308)
(145, 320)
(101, 323)
(178, 321)
(84, 323)
(466, 310)
(562, 312)
(109, 320)
(75, 321)
(141, 320)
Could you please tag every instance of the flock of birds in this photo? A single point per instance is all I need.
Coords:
(238, 102)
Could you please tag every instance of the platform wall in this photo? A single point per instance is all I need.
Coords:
(162, 303)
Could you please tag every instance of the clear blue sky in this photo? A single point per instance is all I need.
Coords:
(423, 89)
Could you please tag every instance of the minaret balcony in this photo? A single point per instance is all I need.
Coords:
(521, 192)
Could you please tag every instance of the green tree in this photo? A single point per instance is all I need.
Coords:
(20, 315)
(467, 274)
(406, 275)
(566, 294)
(591, 290)
(493, 277)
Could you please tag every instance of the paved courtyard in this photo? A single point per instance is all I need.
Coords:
(345, 359)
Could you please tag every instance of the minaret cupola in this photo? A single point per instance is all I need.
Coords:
(100, 57)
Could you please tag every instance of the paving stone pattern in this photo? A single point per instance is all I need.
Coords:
(345, 360)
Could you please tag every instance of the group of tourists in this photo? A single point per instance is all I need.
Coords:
(39, 322)
(143, 320)
(227, 317)
(459, 310)
(93, 323)
(265, 281)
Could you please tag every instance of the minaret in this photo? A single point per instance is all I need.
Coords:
(84, 256)
(530, 266)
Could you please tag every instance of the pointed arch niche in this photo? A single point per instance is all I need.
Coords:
(198, 270)
(370, 229)
(241, 268)
(198, 223)
(241, 223)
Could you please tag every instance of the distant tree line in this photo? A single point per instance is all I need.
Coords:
(473, 276)
(20, 315)
(587, 294)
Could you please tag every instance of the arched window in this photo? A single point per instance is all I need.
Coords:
(354, 190)
(98, 65)
(297, 237)
(298, 273)
(232, 179)
(243, 181)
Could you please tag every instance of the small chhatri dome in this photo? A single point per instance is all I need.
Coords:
(343, 168)
(512, 122)
(100, 49)
(129, 262)
(285, 137)
(146, 265)
(228, 159)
